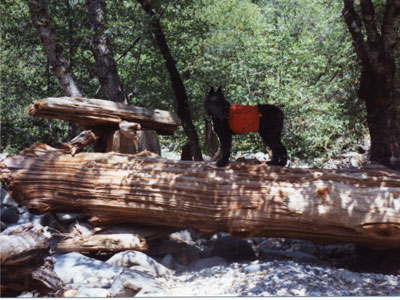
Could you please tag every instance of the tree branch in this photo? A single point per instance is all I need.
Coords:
(353, 22)
(390, 27)
(368, 15)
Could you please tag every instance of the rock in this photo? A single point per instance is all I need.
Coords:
(10, 215)
(188, 255)
(272, 254)
(6, 199)
(92, 292)
(135, 283)
(208, 263)
(137, 260)
(187, 236)
(77, 268)
(253, 268)
(168, 261)
(2, 225)
(347, 276)
(233, 249)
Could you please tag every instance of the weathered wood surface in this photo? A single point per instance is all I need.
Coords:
(102, 243)
(25, 262)
(83, 139)
(326, 206)
(96, 112)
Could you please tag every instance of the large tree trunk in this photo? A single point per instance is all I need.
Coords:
(102, 52)
(52, 47)
(360, 206)
(183, 109)
(378, 75)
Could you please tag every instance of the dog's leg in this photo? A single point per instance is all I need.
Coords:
(226, 145)
(277, 148)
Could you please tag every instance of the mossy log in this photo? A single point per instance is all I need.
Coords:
(325, 206)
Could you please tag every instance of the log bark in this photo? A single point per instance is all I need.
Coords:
(95, 112)
(325, 206)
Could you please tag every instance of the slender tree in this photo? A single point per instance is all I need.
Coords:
(375, 48)
(51, 45)
(178, 87)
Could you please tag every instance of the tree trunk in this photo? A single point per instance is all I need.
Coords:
(178, 87)
(102, 52)
(52, 47)
(325, 206)
(378, 75)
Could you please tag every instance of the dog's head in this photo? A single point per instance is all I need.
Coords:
(216, 105)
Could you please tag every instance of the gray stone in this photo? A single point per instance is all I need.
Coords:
(208, 262)
(272, 254)
(10, 215)
(189, 255)
(187, 236)
(253, 268)
(137, 260)
(2, 225)
(135, 283)
(77, 268)
(347, 276)
(233, 249)
(168, 261)
(93, 292)
(6, 199)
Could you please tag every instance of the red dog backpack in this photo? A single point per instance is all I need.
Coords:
(244, 118)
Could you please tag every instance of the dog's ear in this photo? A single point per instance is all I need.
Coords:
(220, 89)
(211, 90)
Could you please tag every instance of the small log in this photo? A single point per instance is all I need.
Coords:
(85, 138)
(129, 129)
(95, 112)
(102, 243)
(18, 248)
(26, 264)
(326, 206)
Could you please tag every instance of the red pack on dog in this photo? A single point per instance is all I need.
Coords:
(244, 118)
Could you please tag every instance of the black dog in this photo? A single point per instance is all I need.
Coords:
(269, 127)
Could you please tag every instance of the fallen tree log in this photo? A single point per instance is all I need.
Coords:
(325, 206)
(96, 112)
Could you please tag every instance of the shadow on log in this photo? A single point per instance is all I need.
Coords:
(326, 206)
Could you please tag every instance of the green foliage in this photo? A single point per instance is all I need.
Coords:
(294, 54)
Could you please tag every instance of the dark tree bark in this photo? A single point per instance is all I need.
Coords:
(102, 52)
(378, 74)
(178, 87)
(52, 47)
